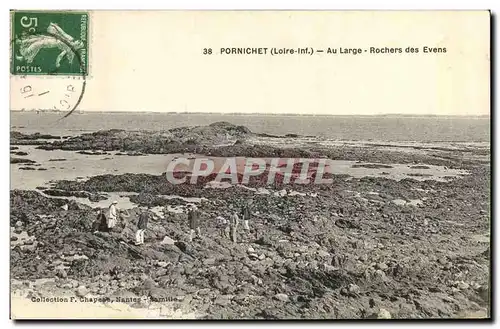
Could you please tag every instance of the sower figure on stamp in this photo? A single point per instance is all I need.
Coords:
(30, 46)
(194, 222)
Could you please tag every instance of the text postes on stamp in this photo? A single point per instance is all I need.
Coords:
(49, 43)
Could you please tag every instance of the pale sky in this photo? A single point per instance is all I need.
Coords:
(153, 61)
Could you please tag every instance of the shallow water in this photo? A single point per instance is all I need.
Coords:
(123, 199)
(81, 166)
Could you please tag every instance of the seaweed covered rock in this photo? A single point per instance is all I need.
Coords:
(153, 142)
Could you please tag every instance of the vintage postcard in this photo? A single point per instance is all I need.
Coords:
(250, 165)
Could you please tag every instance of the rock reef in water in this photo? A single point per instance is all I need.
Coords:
(19, 153)
(217, 139)
(420, 167)
(21, 160)
(176, 139)
(371, 166)
(17, 137)
(92, 152)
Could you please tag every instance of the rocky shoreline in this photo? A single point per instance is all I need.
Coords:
(368, 247)
(222, 139)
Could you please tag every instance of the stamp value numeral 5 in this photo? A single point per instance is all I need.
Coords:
(27, 22)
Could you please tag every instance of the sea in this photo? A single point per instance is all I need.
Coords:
(366, 128)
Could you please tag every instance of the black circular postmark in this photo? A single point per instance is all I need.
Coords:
(73, 90)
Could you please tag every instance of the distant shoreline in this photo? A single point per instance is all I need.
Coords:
(267, 114)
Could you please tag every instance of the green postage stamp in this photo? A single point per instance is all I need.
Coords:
(49, 43)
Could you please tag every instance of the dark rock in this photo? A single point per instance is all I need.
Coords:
(264, 241)
(92, 152)
(371, 166)
(420, 167)
(142, 142)
(21, 160)
(184, 247)
(27, 168)
(15, 136)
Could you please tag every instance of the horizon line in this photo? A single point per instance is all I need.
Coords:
(264, 114)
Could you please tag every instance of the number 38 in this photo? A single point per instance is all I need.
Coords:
(28, 23)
